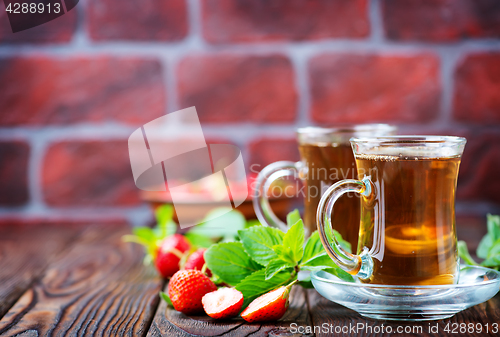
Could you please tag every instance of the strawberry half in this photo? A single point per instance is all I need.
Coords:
(169, 254)
(223, 303)
(186, 289)
(268, 307)
(197, 261)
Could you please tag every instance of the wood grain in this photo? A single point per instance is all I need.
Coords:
(98, 288)
(332, 314)
(25, 251)
(168, 322)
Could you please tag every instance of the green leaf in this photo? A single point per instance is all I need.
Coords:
(165, 225)
(343, 275)
(484, 246)
(145, 233)
(198, 240)
(275, 266)
(252, 222)
(319, 262)
(292, 218)
(225, 223)
(256, 284)
(230, 262)
(493, 224)
(491, 262)
(313, 247)
(166, 299)
(463, 252)
(332, 232)
(294, 241)
(259, 242)
(495, 249)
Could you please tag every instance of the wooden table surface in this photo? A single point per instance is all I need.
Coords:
(82, 280)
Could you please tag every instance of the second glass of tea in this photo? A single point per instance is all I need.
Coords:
(326, 157)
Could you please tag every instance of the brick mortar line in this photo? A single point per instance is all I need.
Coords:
(376, 21)
(196, 44)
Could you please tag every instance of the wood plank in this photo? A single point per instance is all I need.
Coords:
(329, 313)
(24, 255)
(168, 322)
(98, 288)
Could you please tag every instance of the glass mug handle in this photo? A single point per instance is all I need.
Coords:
(360, 265)
(266, 177)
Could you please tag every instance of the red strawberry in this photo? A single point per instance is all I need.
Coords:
(187, 288)
(268, 307)
(196, 261)
(169, 254)
(223, 303)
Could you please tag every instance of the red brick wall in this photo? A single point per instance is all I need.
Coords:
(72, 90)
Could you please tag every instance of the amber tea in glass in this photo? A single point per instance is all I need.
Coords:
(407, 231)
(326, 157)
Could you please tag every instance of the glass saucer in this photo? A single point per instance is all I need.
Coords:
(410, 303)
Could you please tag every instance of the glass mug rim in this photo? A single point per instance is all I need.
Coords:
(399, 140)
(346, 128)
(414, 146)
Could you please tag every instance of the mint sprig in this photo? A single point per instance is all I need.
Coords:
(266, 258)
(489, 247)
(151, 238)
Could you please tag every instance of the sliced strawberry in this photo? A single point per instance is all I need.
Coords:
(169, 254)
(186, 289)
(223, 303)
(197, 261)
(268, 307)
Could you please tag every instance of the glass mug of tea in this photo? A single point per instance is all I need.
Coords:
(326, 157)
(407, 186)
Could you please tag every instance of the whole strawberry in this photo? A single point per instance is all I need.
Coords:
(197, 261)
(223, 303)
(186, 289)
(268, 307)
(169, 254)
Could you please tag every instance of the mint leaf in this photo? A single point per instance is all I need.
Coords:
(491, 262)
(319, 262)
(275, 266)
(252, 222)
(198, 240)
(230, 262)
(341, 274)
(463, 253)
(144, 233)
(292, 218)
(224, 223)
(166, 299)
(256, 284)
(313, 248)
(259, 242)
(493, 224)
(484, 246)
(165, 224)
(293, 242)
(495, 249)
(324, 262)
